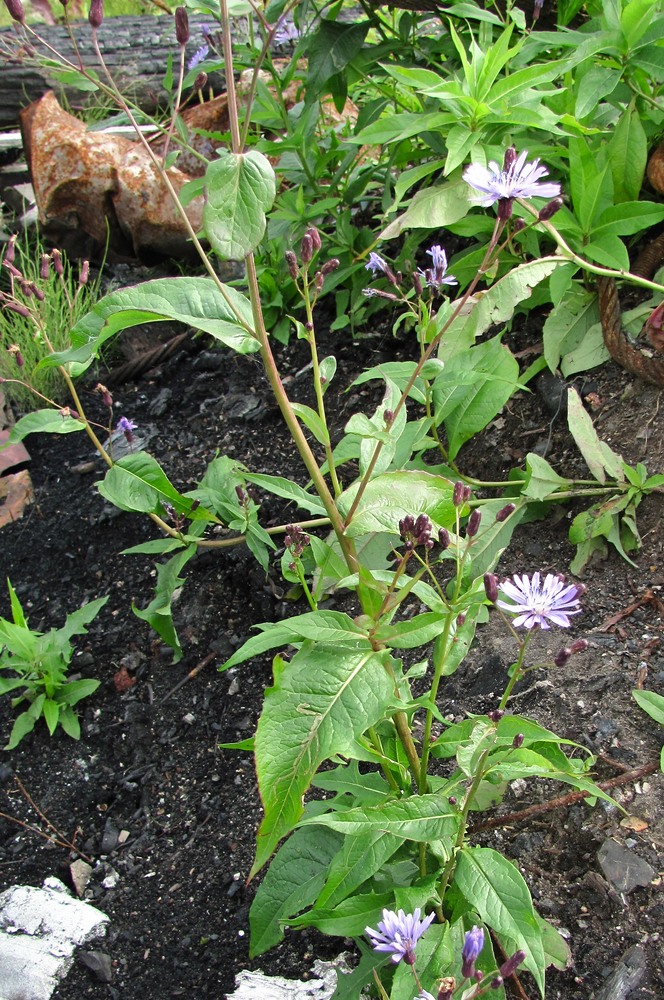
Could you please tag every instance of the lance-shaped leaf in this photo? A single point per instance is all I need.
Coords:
(322, 701)
(421, 818)
(240, 188)
(495, 888)
(293, 881)
(323, 626)
(43, 422)
(138, 483)
(223, 312)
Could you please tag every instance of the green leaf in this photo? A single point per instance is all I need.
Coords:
(158, 611)
(600, 459)
(357, 861)
(312, 421)
(349, 918)
(497, 891)
(138, 483)
(240, 188)
(494, 306)
(77, 620)
(568, 323)
(292, 882)
(70, 722)
(420, 818)
(339, 692)
(288, 490)
(223, 312)
(43, 422)
(23, 725)
(433, 207)
(330, 49)
(390, 497)
(325, 626)
(492, 538)
(75, 691)
(541, 480)
(369, 788)
(590, 353)
(51, 712)
(628, 153)
(627, 219)
(466, 409)
(412, 633)
(651, 703)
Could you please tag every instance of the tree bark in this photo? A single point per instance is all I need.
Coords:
(136, 50)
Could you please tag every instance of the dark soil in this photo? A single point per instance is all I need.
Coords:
(169, 818)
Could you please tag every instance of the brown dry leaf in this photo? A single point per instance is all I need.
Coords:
(634, 823)
(123, 680)
(16, 492)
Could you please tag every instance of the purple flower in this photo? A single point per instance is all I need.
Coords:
(472, 948)
(286, 32)
(376, 264)
(517, 180)
(399, 933)
(198, 57)
(535, 604)
(127, 427)
(437, 275)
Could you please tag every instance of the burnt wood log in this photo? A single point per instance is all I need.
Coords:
(136, 51)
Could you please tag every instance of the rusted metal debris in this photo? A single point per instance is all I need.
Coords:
(107, 185)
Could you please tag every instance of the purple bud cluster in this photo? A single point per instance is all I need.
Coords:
(296, 540)
(310, 244)
(416, 531)
(460, 494)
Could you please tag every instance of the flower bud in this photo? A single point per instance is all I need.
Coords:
(518, 225)
(510, 158)
(14, 271)
(562, 657)
(446, 988)
(315, 237)
(319, 280)
(496, 983)
(517, 742)
(15, 350)
(106, 397)
(57, 262)
(505, 206)
(509, 967)
(550, 209)
(578, 646)
(306, 248)
(495, 715)
(44, 266)
(10, 252)
(17, 308)
(200, 81)
(388, 417)
(417, 285)
(473, 523)
(96, 15)
(491, 587)
(330, 265)
(291, 260)
(37, 292)
(461, 620)
(181, 25)
(85, 273)
(458, 494)
(443, 538)
(505, 512)
(15, 8)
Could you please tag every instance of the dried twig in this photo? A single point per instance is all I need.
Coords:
(55, 837)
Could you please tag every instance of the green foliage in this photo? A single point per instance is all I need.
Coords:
(36, 665)
(46, 327)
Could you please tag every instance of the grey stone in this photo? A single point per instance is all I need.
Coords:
(39, 929)
(622, 868)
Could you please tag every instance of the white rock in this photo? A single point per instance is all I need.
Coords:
(39, 929)
(250, 985)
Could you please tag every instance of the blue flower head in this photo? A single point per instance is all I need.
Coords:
(398, 933)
